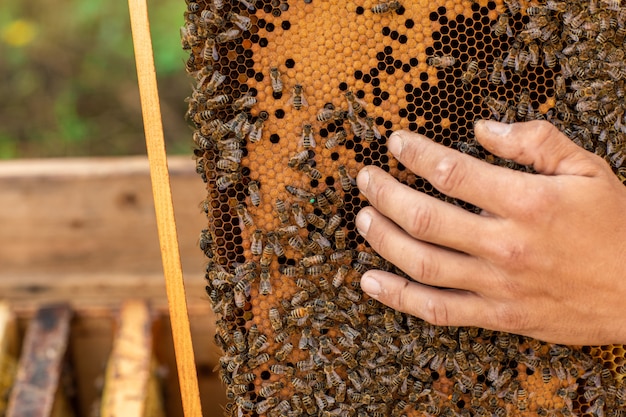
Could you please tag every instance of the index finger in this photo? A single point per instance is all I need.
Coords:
(459, 175)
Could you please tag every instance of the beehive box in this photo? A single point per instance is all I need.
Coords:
(291, 99)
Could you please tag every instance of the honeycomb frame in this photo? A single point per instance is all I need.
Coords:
(291, 99)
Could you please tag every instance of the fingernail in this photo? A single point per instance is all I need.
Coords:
(363, 222)
(363, 179)
(370, 286)
(496, 128)
(394, 144)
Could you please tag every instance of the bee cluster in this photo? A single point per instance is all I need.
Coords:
(291, 98)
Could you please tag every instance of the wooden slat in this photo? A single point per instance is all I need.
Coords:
(93, 216)
(36, 391)
(166, 224)
(130, 389)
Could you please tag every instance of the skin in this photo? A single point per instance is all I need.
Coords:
(545, 257)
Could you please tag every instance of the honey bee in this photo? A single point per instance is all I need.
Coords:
(533, 54)
(300, 193)
(299, 298)
(347, 182)
(339, 138)
(253, 191)
(333, 223)
(444, 61)
(265, 285)
(291, 271)
(256, 245)
(227, 165)
(286, 231)
(354, 105)
(228, 35)
(226, 180)
(496, 107)
(217, 102)
(244, 102)
(242, 22)
(275, 319)
(244, 217)
(557, 6)
(386, 7)
(316, 221)
(263, 406)
(327, 113)
(312, 173)
(317, 270)
(514, 6)
(256, 130)
(277, 84)
(498, 75)
(340, 239)
(275, 243)
(471, 72)
(280, 369)
(244, 405)
(203, 116)
(296, 242)
(297, 98)
(281, 209)
(301, 386)
(298, 215)
(371, 132)
(357, 127)
(216, 80)
(298, 159)
(258, 360)
(502, 26)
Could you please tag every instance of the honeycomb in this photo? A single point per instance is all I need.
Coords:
(291, 99)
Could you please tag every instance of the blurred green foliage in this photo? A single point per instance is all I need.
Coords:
(69, 84)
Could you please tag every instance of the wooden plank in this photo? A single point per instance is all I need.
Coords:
(73, 216)
(128, 389)
(8, 349)
(36, 389)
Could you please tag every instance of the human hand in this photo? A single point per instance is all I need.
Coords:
(545, 258)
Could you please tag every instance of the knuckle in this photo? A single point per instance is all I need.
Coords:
(424, 269)
(436, 312)
(421, 221)
(510, 319)
(449, 174)
(513, 254)
(403, 301)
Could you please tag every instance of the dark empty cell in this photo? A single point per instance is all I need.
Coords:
(531, 76)
(276, 12)
(444, 30)
(445, 113)
(358, 74)
(412, 117)
(367, 152)
(270, 27)
(492, 6)
(367, 161)
(433, 16)
(413, 62)
(290, 63)
(390, 70)
(410, 108)
(232, 65)
(447, 49)
(388, 50)
(377, 91)
(471, 42)
(343, 86)
(324, 133)
(286, 25)
(485, 22)
(239, 49)
(380, 56)
(394, 35)
(409, 23)
(386, 31)
(267, 8)
(331, 127)
(413, 126)
(334, 156)
(397, 64)
(360, 10)
(381, 66)
(254, 38)
(424, 76)
(517, 89)
(241, 69)
(443, 20)
(430, 50)
(349, 145)
(375, 82)
(450, 88)
(274, 138)
(435, 100)
(377, 101)
(263, 42)
(277, 95)
(359, 158)
(454, 44)
(384, 95)
(358, 148)
(406, 67)
(438, 130)
(367, 78)
(280, 113)
(330, 180)
(360, 94)
(314, 183)
(259, 76)
(389, 60)
(261, 22)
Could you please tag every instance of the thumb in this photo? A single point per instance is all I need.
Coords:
(537, 143)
